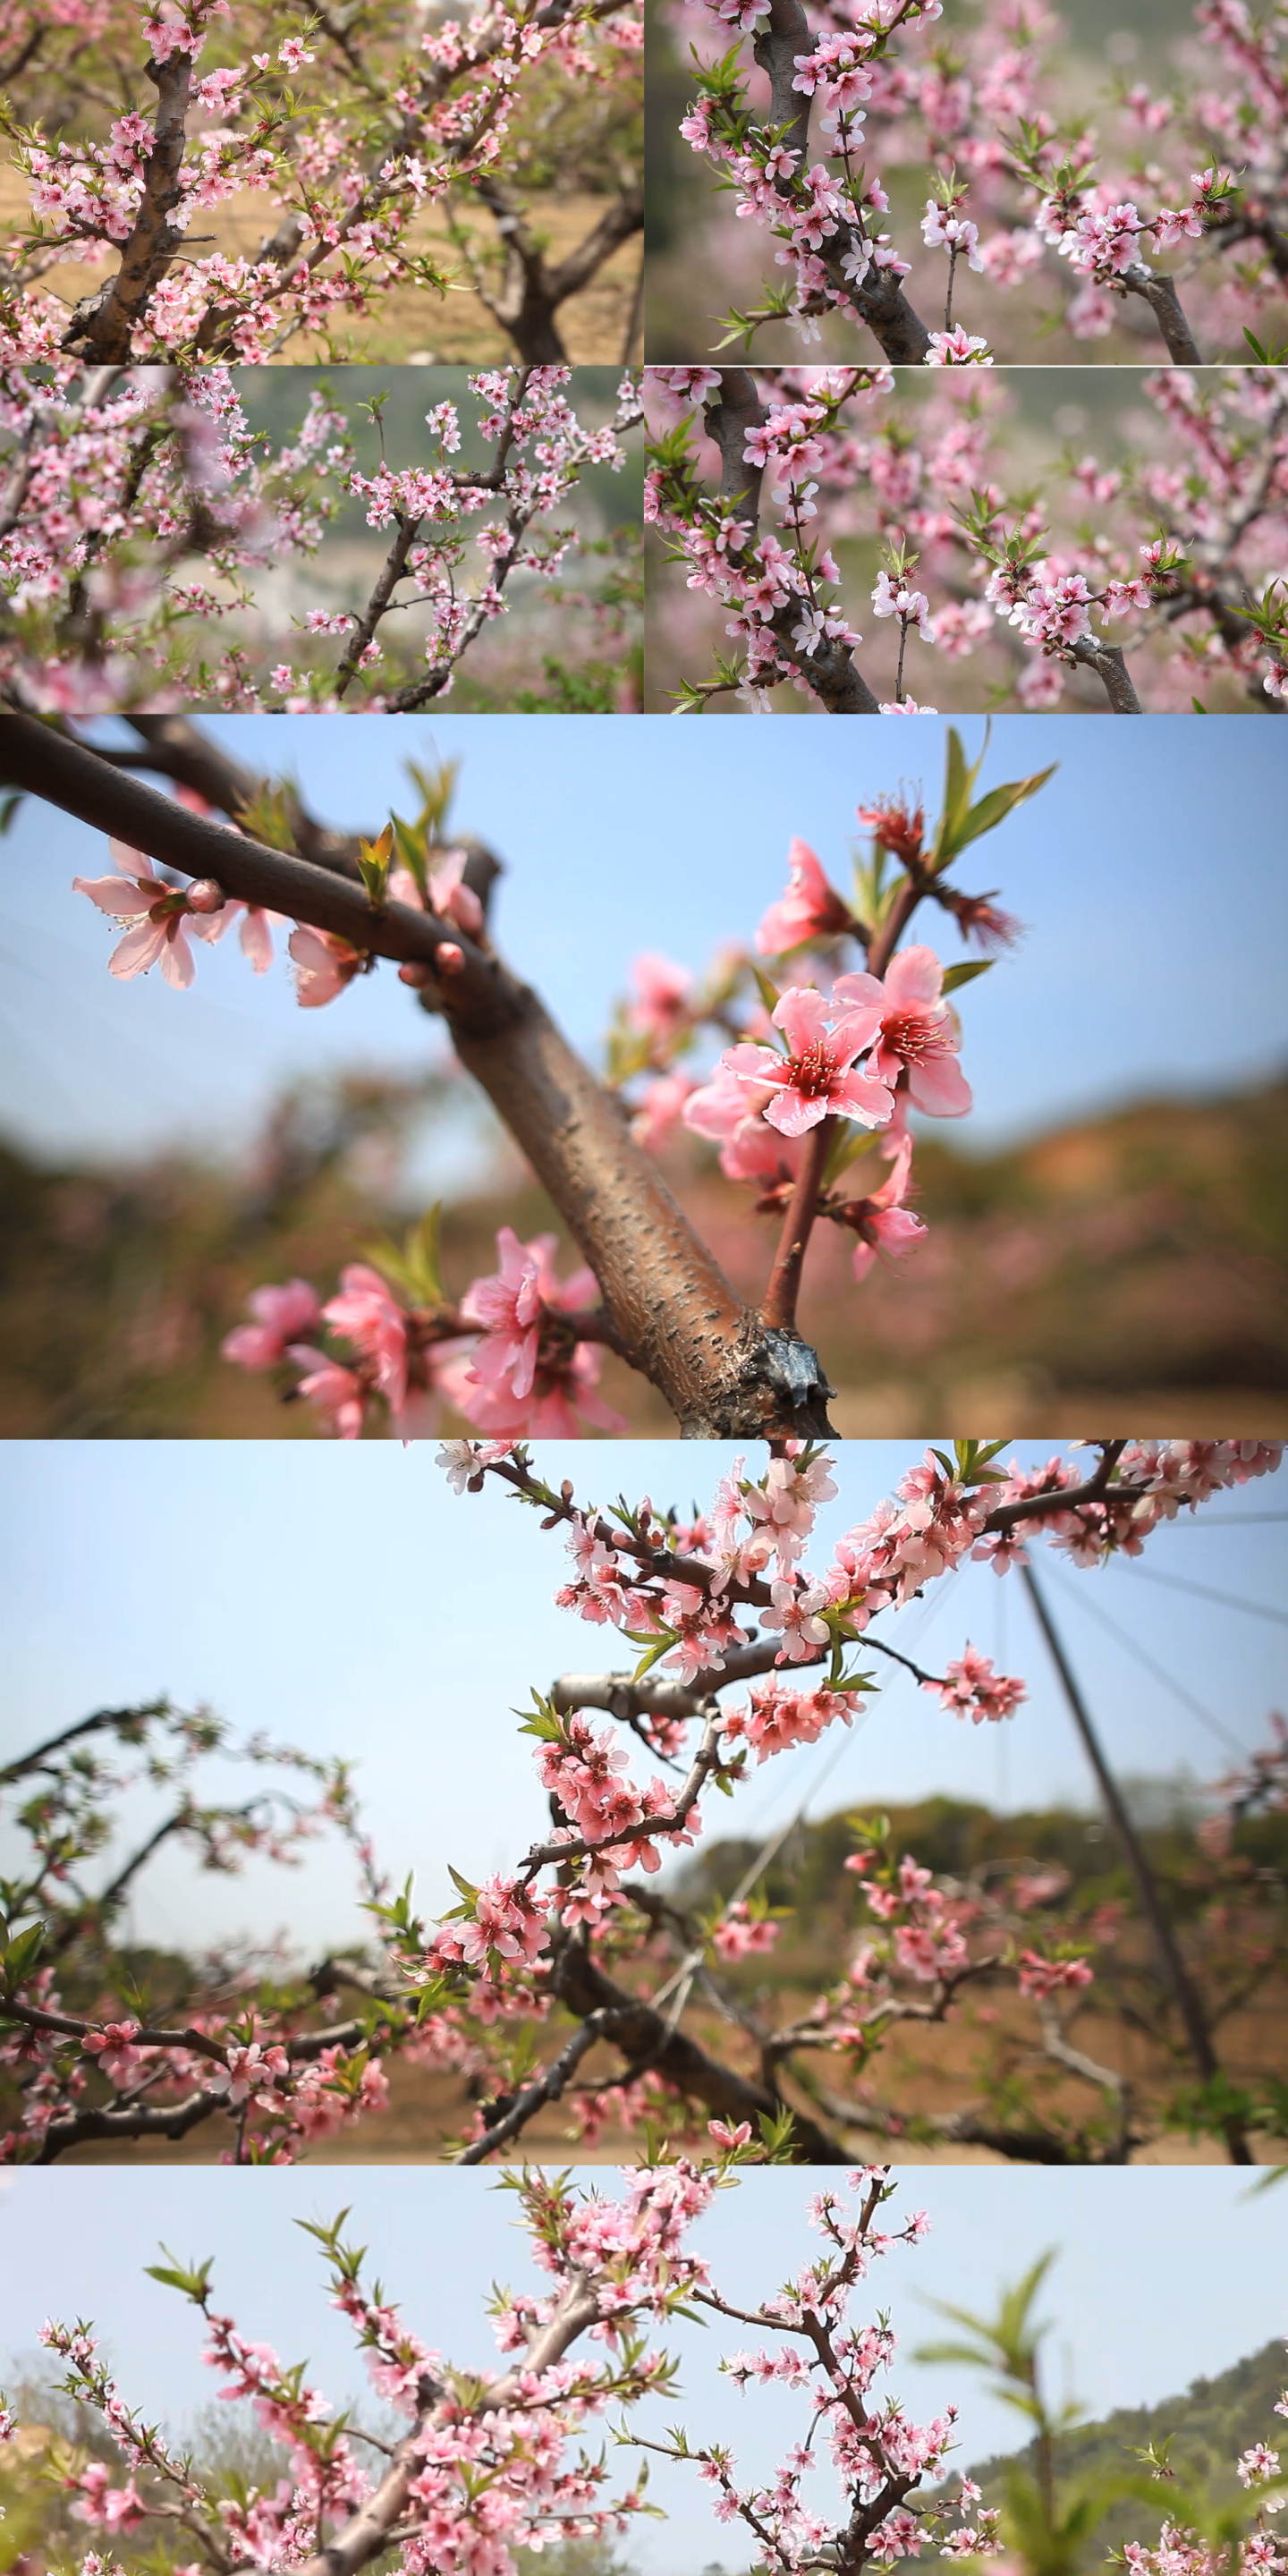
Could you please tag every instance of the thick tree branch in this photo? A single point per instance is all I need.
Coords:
(530, 294)
(105, 328)
(880, 299)
(645, 2038)
(1109, 663)
(1165, 305)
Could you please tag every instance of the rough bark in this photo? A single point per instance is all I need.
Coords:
(107, 324)
(528, 299)
(645, 2038)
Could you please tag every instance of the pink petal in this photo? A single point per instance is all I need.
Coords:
(114, 895)
(915, 975)
(139, 949)
(132, 863)
(793, 1115)
(802, 1015)
(940, 1086)
(859, 993)
(177, 965)
(858, 1096)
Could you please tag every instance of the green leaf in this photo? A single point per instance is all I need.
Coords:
(955, 976)
(411, 850)
(193, 2280)
(19, 1955)
(374, 859)
(846, 1147)
(999, 802)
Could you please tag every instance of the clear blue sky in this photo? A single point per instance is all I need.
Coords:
(341, 1597)
(1165, 2275)
(1150, 873)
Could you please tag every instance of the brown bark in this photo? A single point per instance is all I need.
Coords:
(880, 299)
(527, 302)
(645, 2038)
(107, 330)
(1165, 305)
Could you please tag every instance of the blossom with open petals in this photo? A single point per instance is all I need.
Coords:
(919, 1035)
(818, 1077)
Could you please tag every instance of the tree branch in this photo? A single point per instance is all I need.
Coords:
(1165, 305)
(107, 327)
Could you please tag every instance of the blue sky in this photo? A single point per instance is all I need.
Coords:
(1165, 2275)
(1149, 872)
(339, 1596)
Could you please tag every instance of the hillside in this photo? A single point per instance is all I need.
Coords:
(1133, 1265)
(1210, 2425)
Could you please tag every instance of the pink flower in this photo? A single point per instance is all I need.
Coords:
(508, 1306)
(730, 1108)
(663, 995)
(729, 2138)
(661, 1110)
(528, 1374)
(450, 899)
(1041, 1977)
(741, 1934)
(366, 1313)
(282, 1315)
(335, 1391)
(971, 1688)
(817, 1079)
(810, 909)
(882, 1222)
(159, 911)
(326, 964)
(918, 1032)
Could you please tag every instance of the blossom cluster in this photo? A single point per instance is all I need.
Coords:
(349, 137)
(1184, 563)
(813, 145)
(493, 2463)
(824, 1062)
(142, 511)
(748, 1642)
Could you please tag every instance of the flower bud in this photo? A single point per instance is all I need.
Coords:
(415, 974)
(448, 958)
(205, 896)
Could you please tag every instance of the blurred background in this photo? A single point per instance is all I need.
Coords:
(1108, 1230)
(700, 261)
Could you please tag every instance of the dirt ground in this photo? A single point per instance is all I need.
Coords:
(408, 327)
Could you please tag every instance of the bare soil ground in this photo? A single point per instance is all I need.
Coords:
(408, 327)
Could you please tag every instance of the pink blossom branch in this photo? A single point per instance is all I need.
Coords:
(722, 1371)
(833, 673)
(104, 325)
